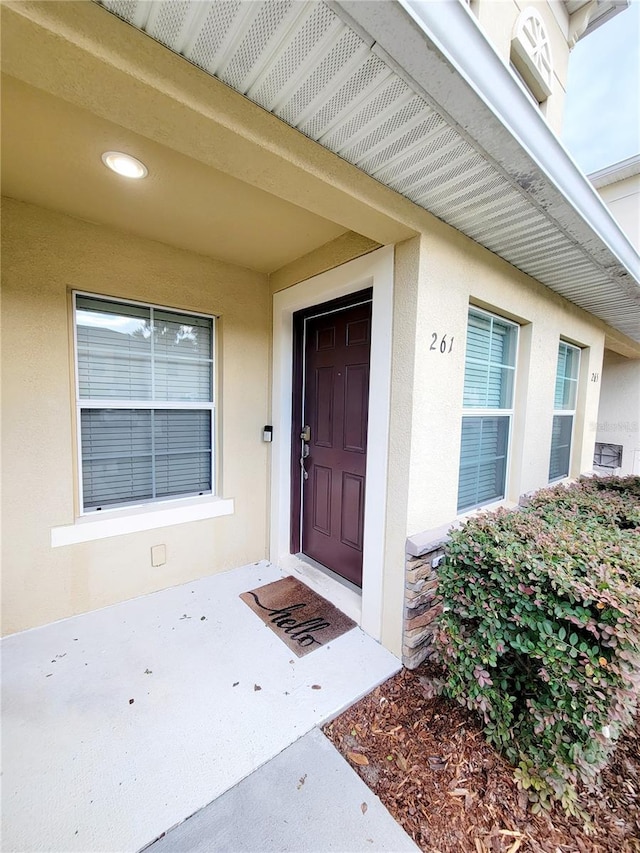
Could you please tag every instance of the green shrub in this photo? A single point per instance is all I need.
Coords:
(541, 630)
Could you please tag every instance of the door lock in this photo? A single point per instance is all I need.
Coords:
(305, 435)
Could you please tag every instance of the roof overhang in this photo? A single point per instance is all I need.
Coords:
(551, 223)
(595, 13)
(621, 171)
(412, 94)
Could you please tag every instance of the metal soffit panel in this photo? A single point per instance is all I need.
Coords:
(300, 61)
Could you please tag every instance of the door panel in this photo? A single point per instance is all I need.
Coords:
(323, 409)
(356, 401)
(322, 499)
(351, 520)
(335, 405)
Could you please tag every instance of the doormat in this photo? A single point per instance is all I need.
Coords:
(299, 616)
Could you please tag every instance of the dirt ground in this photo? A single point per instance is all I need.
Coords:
(428, 762)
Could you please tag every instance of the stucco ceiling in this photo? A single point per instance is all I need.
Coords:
(51, 154)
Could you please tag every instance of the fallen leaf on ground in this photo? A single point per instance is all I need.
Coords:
(448, 754)
(364, 808)
(257, 687)
(358, 758)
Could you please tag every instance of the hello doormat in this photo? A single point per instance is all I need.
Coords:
(299, 616)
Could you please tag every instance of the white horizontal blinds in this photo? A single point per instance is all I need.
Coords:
(567, 377)
(183, 366)
(560, 446)
(145, 384)
(490, 362)
(140, 454)
(182, 451)
(114, 350)
(483, 460)
(117, 459)
(564, 404)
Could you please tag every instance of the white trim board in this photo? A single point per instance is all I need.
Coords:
(135, 520)
(374, 270)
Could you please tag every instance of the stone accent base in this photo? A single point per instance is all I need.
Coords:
(422, 604)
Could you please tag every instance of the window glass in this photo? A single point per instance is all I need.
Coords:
(488, 387)
(490, 362)
(483, 461)
(560, 446)
(566, 392)
(567, 377)
(132, 362)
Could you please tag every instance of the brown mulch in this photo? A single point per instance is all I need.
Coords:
(428, 762)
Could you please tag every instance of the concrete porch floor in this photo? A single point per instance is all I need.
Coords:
(120, 723)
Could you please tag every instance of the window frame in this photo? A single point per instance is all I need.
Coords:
(82, 403)
(533, 63)
(469, 412)
(560, 413)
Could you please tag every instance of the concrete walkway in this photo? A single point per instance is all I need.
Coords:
(306, 800)
(121, 723)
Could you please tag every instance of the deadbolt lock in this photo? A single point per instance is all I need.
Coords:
(305, 435)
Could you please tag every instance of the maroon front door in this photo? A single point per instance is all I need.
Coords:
(334, 448)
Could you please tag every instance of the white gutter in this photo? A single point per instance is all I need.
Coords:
(441, 48)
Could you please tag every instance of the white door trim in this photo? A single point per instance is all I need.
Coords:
(374, 270)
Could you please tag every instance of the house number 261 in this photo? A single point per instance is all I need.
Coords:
(444, 345)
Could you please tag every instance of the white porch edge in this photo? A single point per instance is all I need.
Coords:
(374, 270)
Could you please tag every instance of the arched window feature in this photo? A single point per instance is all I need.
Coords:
(531, 53)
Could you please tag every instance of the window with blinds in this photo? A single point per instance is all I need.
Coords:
(145, 402)
(490, 362)
(564, 405)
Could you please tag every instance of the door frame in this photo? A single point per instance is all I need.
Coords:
(374, 271)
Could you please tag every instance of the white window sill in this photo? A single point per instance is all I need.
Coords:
(119, 522)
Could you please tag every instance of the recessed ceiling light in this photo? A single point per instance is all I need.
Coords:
(124, 164)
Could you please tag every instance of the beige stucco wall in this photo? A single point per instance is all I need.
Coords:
(437, 275)
(454, 272)
(497, 19)
(623, 200)
(404, 392)
(619, 411)
(44, 256)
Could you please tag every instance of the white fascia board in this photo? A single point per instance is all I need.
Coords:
(438, 46)
(628, 168)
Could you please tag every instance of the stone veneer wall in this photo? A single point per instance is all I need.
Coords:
(422, 605)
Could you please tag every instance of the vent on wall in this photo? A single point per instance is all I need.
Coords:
(608, 456)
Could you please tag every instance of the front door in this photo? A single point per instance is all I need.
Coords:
(333, 442)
